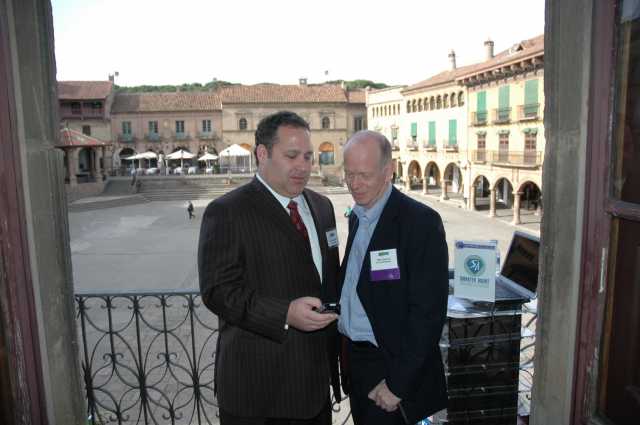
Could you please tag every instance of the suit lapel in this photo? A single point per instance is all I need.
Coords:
(315, 208)
(353, 228)
(382, 238)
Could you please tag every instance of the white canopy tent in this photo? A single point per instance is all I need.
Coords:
(235, 157)
(208, 157)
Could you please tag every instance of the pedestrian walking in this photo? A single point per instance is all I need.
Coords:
(190, 210)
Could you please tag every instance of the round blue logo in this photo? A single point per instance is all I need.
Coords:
(474, 265)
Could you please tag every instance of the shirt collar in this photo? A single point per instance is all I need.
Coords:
(373, 213)
(283, 200)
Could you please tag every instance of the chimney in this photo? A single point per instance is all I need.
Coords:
(302, 81)
(452, 59)
(111, 78)
(488, 46)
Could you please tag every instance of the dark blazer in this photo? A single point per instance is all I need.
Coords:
(407, 315)
(252, 263)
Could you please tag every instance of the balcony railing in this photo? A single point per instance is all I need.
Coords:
(529, 112)
(206, 135)
(182, 136)
(450, 145)
(152, 137)
(395, 145)
(412, 145)
(479, 155)
(126, 137)
(501, 116)
(479, 118)
(149, 357)
(430, 146)
(81, 113)
(518, 158)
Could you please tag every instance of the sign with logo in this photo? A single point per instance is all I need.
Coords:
(475, 270)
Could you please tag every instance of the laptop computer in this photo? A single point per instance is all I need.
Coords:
(518, 276)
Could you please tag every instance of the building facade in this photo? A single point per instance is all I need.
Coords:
(383, 115)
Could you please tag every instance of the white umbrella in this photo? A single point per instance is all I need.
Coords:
(208, 157)
(134, 157)
(235, 151)
(148, 156)
(181, 155)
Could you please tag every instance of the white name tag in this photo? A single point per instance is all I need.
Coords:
(384, 265)
(332, 238)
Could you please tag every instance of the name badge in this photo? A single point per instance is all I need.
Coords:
(332, 238)
(384, 265)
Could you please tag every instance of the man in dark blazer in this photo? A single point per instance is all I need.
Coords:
(394, 287)
(268, 259)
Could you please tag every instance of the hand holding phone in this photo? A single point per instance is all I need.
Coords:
(329, 308)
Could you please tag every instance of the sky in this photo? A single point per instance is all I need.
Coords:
(279, 41)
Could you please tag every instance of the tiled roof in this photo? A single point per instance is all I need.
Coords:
(439, 79)
(84, 90)
(272, 93)
(166, 102)
(73, 138)
(518, 51)
(357, 96)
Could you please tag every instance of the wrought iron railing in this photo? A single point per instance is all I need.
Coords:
(148, 358)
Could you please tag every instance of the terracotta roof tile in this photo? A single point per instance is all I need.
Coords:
(73, 138)
(357, 96)
(84, 90)
(166, 102)
(272, 93)
(516, 52)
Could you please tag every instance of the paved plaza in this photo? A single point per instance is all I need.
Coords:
(153, 246)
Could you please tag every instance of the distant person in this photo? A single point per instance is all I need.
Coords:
(267, 260)
(393, 294)
(190, 210)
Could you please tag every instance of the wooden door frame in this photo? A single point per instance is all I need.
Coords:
(22, 398)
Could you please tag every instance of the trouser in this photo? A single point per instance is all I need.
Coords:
(367, 368)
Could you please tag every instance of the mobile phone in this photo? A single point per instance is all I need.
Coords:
(329, 308)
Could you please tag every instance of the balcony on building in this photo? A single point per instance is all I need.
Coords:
(479, 118)
(206, 135)
(429, 146)
(450, 145)
(412, 145)
(395, 145)
(126, 138)
(81, 110)
(529, 112)
(152, 137)
(523, 159)
(501, 116)
(479, 156)
(182, 136)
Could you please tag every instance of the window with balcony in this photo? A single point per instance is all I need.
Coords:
(76, 108)
(206, 126)
(326, 123)
(86, 130)
(503, 149)
(481, 146)
(481, 108)
(432, 134)
(503, 113)
(242, 123)
(530, 107)
(179, 127)
(153, 127)
(394, 134)
(326, 156)
(453, 133)
(126, 127)
(530, 154)
(414, 131)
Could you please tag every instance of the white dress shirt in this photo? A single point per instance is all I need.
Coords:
(307, 219)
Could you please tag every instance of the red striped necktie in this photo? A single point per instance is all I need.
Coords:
(297, 220)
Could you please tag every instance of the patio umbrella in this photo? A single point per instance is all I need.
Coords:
(135, 157)
(181, 155)
(148, 156)
(208, 157)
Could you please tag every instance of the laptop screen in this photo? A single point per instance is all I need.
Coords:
(521, 264)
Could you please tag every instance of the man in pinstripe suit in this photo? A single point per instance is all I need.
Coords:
(268, 258)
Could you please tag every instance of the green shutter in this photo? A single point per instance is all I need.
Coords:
(432, 133)
(531, 92)
(414, 129)
(503, 97)
(482, 101)
(453, 132)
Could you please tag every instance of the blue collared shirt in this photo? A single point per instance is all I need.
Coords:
(353, 321)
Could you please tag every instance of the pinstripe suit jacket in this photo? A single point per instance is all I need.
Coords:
(252, 263)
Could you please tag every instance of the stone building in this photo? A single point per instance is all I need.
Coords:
(85, 106)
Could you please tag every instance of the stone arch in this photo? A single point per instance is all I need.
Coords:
(326, 154)
(504, 193)
(445, 100)
(452, 177)
(530, 195)
(420, 105)
(426, 103)
(414, 175)
(431, 176)
(460, 98)
(452, 96)
(439, 102)
(479, 194)
(432, 103)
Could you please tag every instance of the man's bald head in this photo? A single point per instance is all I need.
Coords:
(372, 138)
